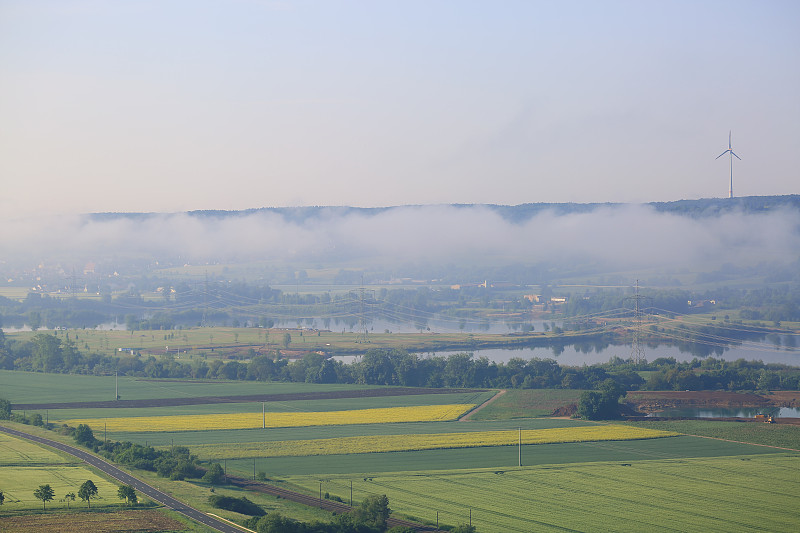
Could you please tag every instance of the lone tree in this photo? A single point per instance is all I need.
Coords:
(87, 491)
(70, 496)
(127, 493)
(84, 435)
(44, 493)
(373, 512)
(215, 474)
(2, 497)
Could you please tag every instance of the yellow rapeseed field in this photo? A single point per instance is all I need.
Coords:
(397, 443)
(426, 413)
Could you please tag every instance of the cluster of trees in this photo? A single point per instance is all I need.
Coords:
(602, 404)
(239, 505)
(718, 374)
(176, 463)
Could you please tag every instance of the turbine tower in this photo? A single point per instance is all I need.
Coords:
(730, 151)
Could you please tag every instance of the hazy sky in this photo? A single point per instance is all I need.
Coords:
(181, 105)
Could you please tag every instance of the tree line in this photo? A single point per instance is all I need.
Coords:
(48, 353)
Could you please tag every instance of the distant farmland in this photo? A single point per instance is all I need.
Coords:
(666, 482)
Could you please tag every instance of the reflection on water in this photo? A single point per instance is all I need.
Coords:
(586, 354)
(436, 324)
(720, 412)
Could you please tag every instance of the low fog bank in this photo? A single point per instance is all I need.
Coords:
(614, 237)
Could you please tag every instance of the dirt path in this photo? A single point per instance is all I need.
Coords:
(468, 416)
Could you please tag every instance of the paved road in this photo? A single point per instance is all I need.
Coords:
(127, 479)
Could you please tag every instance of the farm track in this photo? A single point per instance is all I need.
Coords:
(468, 416)
(327, 505)
(283, 397)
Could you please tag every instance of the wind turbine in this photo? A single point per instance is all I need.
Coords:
(730, 151)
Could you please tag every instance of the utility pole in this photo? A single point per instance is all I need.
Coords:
(263, 415)
(520, 447)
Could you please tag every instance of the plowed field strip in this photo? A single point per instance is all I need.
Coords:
(138, 521)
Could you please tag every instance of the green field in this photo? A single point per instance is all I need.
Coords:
(24, 466)
(524, 403)
(779, 435)
(36, 387)
(755, 492)
(682, 447)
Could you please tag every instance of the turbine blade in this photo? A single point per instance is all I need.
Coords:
(729, 140)
(737, 157)
(723, 153)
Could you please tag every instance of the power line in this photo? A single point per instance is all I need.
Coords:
(637, 350)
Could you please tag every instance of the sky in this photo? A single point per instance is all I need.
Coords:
(168, 106)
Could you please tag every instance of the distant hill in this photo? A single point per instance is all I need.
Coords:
(705, 207)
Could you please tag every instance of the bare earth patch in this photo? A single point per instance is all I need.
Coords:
(122, 521)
